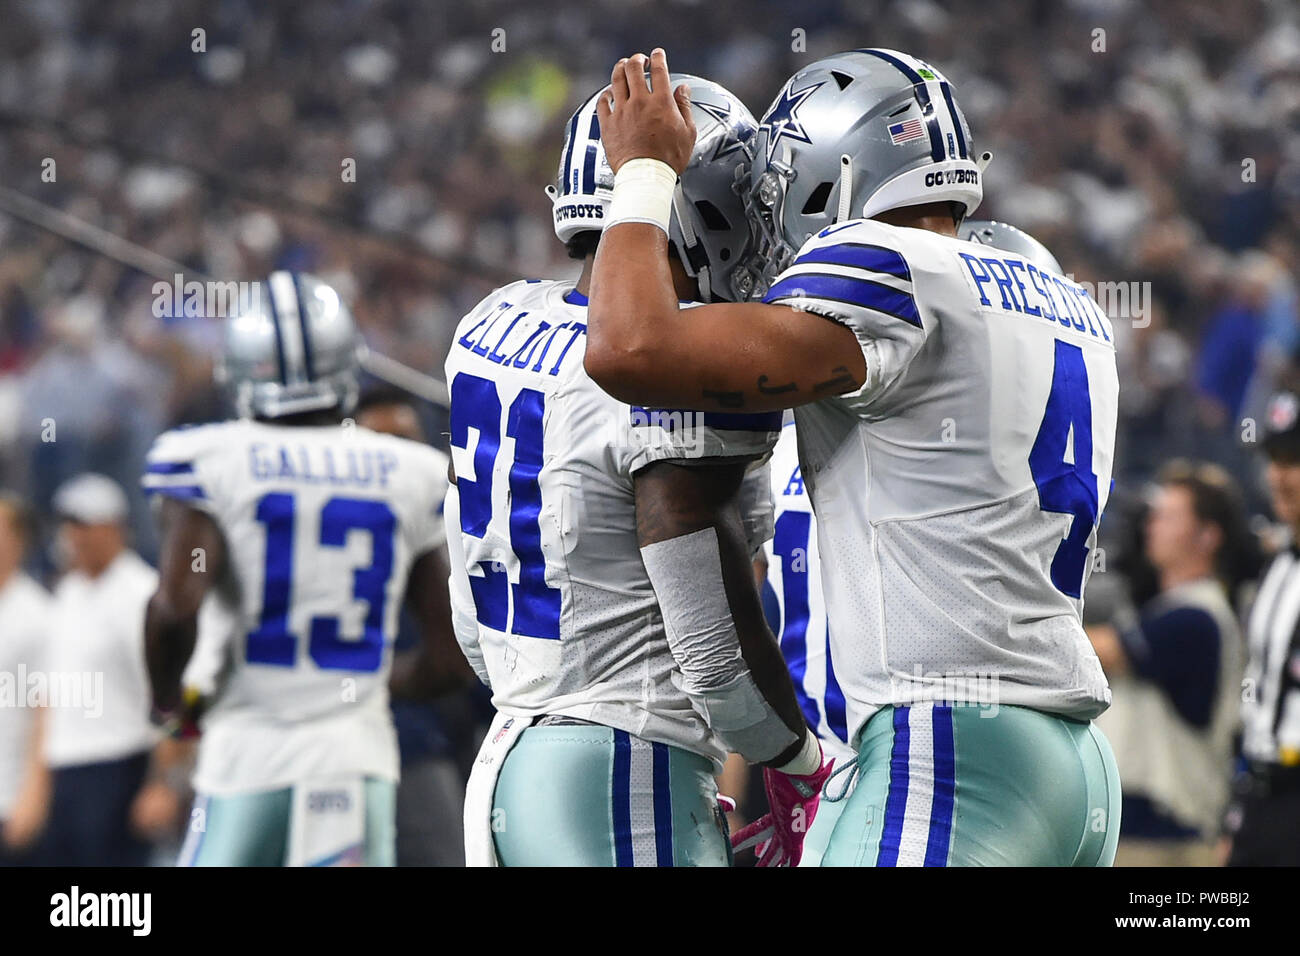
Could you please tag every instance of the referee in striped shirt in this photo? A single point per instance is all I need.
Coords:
(1264, 819)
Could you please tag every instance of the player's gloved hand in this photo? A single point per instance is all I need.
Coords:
(778, 835)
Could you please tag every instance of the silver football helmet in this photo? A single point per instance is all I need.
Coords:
(708, 229)
(291, 346)
(851, 136)
(1000, 235)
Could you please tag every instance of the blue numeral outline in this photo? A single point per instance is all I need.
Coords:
(475, 403)
(1067, 487)
(793, 535)
(272, 642)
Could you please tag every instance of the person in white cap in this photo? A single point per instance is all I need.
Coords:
(98, 735)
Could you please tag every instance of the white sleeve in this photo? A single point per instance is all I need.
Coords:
(463, 618)
(693, 437)
(856, 275)
(179, 466)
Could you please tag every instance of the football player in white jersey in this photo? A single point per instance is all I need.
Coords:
(955, 409)
(603, 583)
(794, 589)
(309, 532)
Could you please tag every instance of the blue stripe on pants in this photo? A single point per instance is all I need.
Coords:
(663, 799)
(622, 797)
(945, 785)
(896, 802)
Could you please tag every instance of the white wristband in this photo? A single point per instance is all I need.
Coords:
(808, 760)
(643, 192)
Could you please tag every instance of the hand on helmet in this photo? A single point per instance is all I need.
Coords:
(640, 121)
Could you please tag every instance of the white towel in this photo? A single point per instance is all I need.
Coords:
(480, 848)
(327, 823)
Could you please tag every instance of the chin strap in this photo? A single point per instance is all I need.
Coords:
(693, 256)
(846, 188)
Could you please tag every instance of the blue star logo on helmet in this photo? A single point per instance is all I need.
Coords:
(782, 120)
(734, 138)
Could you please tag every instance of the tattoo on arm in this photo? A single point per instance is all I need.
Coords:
(842, 382)
(726, 399)
(766, 389)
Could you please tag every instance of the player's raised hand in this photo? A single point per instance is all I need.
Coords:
(646, 122)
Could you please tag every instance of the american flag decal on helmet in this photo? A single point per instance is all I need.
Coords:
(906, 131)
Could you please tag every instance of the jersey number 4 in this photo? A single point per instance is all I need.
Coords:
(476, 404)
(273, 642)
(1061, 463)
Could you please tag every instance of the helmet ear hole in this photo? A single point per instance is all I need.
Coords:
(817, 200)
(713, 216)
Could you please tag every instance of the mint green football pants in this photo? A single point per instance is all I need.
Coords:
(588, 795)
(944, 785)
(252, 829)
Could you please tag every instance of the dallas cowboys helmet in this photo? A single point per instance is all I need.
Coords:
(708, 228)
(291, 346)
(851, 136)
(1000, 235)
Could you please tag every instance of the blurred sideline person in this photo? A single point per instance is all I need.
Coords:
(956, 412)
(99, 748)
(431, 791)
(1175, 676)
(310, 532)
(604, 586)
(1262, 821)
(24, 640)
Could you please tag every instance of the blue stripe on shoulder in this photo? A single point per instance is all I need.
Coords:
(859, 292)
(861, 255)
(179, 492)
(169, 468)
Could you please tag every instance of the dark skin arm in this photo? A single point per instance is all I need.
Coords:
(438, 666)
(673, 500)
(641, 347)
(171, 618)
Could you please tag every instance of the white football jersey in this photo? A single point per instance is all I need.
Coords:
(794, 586)
(322, 525)
(958, 490)
(567, 620)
